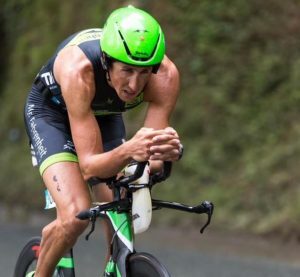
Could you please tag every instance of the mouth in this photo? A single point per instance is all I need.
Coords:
(129, 94)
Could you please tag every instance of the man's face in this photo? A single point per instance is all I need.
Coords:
(128, 80)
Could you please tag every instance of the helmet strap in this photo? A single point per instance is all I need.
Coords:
(107, 76)
(155, 68)
(105, 66)
(104, 61)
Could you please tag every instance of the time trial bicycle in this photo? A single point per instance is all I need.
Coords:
(129, 213)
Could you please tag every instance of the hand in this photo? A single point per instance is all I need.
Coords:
(139, 146)
(166, 146)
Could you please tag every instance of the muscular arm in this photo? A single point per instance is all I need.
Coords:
(162, 93)
(74, 73)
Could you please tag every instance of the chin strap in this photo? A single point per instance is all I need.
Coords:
(107, 76)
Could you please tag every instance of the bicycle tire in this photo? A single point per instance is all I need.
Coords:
(27, 260)
(146, 265)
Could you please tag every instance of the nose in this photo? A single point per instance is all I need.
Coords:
(133, 83)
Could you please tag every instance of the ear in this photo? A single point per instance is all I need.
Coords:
(104, 61)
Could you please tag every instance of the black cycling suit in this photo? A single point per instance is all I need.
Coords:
(46, 116)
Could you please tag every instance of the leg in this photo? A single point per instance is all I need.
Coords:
(103, 194)
(71, 195)
(113, 134)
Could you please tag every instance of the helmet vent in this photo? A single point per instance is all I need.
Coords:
(134, 57)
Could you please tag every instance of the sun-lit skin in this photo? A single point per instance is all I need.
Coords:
(128, 80)
(155, 141)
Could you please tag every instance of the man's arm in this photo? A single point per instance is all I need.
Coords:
(162, 93)
(74, 73)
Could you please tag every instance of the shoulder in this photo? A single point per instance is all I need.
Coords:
(169, 68)
(75, 75)
(165, 83)
(167, 72)
(71, 63)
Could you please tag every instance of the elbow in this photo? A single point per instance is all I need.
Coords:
(86, 170)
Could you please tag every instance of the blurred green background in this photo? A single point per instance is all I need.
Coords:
(238, 114)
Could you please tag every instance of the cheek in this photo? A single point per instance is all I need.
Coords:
(119, 84)
(116, 81)
(145, 80)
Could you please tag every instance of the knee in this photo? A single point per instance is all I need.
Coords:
(71, 225)
(66, 228)
(71, 228)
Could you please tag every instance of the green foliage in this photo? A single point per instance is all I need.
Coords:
(239, 62)
(238, 113)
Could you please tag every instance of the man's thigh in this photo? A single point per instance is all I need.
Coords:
(67, 188)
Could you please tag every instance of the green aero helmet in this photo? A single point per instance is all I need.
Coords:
(134, 37)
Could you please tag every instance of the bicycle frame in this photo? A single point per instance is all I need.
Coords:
(119, 214)
(122, 244)
(67, 262)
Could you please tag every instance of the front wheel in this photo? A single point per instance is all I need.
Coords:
(27, 261)
(146, 265)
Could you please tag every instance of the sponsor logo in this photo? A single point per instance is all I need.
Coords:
(138, 53)
(135, 216)
(30, 110)
(48, 78)
(41, 150)
(70, 146)
(109, 101)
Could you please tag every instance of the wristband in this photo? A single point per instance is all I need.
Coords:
(180, 151)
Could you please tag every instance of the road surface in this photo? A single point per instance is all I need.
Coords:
(185, 253)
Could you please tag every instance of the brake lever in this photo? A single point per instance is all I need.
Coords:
(207, 208)
(93, 221)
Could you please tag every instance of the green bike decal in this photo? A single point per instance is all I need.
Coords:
(66, 263)
(121, 223)
(111, 269)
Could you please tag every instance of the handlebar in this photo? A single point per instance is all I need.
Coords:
(155, 178)
(86, 214)
(205, 207)
(140, 167)
(163, 175)
(136, 175)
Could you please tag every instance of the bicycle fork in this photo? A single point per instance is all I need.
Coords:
(121, 244)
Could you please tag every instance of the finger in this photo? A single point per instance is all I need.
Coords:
(171, 130)
(164, 137)
(154, 133)
(168, 156)
(161, 157)
(164, 148)
(146, 129)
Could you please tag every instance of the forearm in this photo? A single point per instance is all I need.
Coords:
(105, 165)
(108, 164)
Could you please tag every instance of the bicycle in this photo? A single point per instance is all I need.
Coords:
(126, 221)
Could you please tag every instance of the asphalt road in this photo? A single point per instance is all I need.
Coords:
(184, 253)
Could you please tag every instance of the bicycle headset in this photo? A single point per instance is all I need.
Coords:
(134, 37)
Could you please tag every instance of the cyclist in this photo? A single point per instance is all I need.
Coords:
(73, 116)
